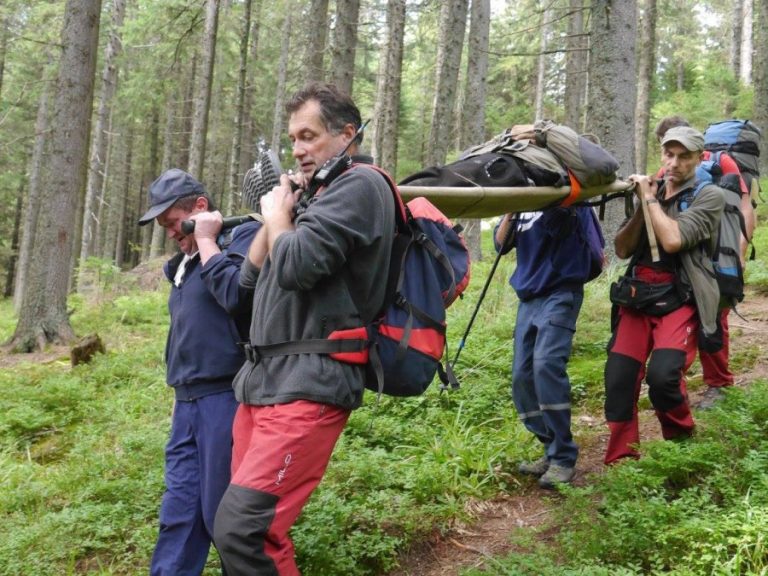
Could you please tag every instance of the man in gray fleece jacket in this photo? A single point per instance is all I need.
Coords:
(320, 271)
(660, 344)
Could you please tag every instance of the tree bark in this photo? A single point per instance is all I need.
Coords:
(184, 142)
(203, 92)
(760, 72)
(237, 139)
(576, 67)
(123, 192)
(344, 44)
(317, 36)
(150, 173)
(11, 273)
(158, 232)
(541, 66)
(646, 66)
(612, 90)
(103, 200)
(3, 48)
(473, 108)
(248, 152)
(282, 75)
(453, 18)
(386, 115)
(33, 200)
(747, 38)
(111, 193)
(43, 317)
(109, 77)
(737, 30)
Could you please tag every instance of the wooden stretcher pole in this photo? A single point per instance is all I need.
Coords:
(644, 187)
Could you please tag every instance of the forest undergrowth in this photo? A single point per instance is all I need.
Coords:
(81, 457)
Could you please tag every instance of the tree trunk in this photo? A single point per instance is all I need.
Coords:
(282, 75)
(32, 213)
(3, 48)
(111, 194)
(386, 115)
(184, 142)
(453, 18)
(613, 89)
(344, 44)
(576, 67)
(103, 199)
(737, 30)
(646, 67)
(109, 77)
(473, 109)
(9, 278)
(745, 72)
(248, 152)
(760, 73)
(43, 317)
(203, 92)
(121, 201)
(150, 173)
(541, 67)
(317, 36)
(237, 139)
(158, 232)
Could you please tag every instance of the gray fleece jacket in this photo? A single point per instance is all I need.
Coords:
(699, 225)
(328, 274)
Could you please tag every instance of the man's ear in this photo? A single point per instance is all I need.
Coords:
(201, 204)
(349, 131)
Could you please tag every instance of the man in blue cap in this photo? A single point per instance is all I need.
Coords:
(210, 314)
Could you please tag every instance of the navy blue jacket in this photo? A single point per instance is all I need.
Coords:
(210, 314)
(552, 252)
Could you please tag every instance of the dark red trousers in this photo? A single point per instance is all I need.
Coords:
(279, 456)
(659, 350)
(715, 365)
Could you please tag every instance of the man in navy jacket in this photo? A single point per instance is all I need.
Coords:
(554, 261)
(210, 314)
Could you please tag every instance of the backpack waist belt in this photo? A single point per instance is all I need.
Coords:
(357, 345)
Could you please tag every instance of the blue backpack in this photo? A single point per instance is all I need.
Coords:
(403, 347)
(726, 258)
(429, 269)
(741, 140)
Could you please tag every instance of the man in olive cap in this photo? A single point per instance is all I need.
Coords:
(210, 314)
(658, 340)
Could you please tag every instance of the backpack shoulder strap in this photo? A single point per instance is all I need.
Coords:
(401, 212)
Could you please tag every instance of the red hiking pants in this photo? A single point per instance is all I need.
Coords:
(668, 344)
(279, 456)
(714, 365)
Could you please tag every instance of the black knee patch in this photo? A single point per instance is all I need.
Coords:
(621, 373)
(665, 368)
(242, 521)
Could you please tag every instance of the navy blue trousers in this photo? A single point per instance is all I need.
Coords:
(197, 471)
(540, 387)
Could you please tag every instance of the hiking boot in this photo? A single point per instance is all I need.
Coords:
(556, 475)
(711, 396)
(534, 468)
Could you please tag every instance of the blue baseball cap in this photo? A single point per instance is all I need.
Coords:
(169, 187)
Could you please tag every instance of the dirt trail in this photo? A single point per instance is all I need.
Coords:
(489, 534)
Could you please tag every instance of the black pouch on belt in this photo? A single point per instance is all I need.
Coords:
(652, 299)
